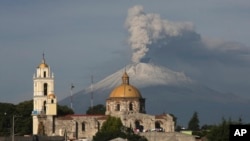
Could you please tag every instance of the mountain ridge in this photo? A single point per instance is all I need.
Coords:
(165, 91)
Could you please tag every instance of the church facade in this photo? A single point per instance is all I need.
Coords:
(125, 102)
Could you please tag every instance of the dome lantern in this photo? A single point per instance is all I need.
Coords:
(125, 78)
(43, 64)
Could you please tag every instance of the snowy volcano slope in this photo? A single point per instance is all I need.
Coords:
(143, 75)
(165, 91)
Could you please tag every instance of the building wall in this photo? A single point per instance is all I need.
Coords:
(173, 136)
(86, 126)
(81, 127)
(35, 125)
(147, 121)
(111, 105)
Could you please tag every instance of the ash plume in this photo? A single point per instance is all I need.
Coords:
(145, 29)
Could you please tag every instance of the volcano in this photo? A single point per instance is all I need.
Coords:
(166, 91)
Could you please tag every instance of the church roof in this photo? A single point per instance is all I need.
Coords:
(125, 90)
(43, 65)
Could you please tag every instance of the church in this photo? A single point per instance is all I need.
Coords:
(125, 101)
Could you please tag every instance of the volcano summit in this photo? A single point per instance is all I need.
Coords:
(165, 91)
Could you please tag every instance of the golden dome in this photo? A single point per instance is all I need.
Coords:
(125, 89)
(43, 65)
(51, 96)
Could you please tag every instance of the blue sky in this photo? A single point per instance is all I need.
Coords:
(84, 38)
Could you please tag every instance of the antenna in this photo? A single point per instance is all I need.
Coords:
(91, 86)
(43, 60)
(43, 55)
(71, 93)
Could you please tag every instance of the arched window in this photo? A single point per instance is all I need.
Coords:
(45, 89)
(157, 124)
(83, 126)
(52, 101)
(44, 74)
(118, 107)
(158, 127)
(130, 106)
(138, 126)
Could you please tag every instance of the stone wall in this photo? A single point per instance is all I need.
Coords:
(161, 136)
(79, 126)
(33, 138)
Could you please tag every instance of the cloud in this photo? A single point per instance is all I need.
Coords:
(146, 29)
(154, 37)
(179, 47)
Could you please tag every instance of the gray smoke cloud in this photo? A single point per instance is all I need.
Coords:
(146, 29)
(217, 63)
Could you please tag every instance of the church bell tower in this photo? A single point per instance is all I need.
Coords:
(44, 99)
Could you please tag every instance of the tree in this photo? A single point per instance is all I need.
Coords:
(96, 110)
(64, 110)
(109, 130)
(6, 111)
(193, 124)
(220, 132)
(113, 128)
(23, 119)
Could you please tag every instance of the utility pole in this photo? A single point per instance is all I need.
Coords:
(13, 127)
(91, 101)
(71, 93)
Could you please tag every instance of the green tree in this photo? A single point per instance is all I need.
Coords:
(23, 118)
(193, 124)
(96, 110)
(64, 110)
(113, 128)
(109, 130)
(220, 132)
(6, 111)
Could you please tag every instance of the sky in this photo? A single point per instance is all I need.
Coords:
(84, 38)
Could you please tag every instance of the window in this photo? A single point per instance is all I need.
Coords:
(83, 126)
(118, 107)
(45, 89)
(130, 106)
(44, 74)
(52, 101)
(157, 124)
(158, 127)
(138, 126)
